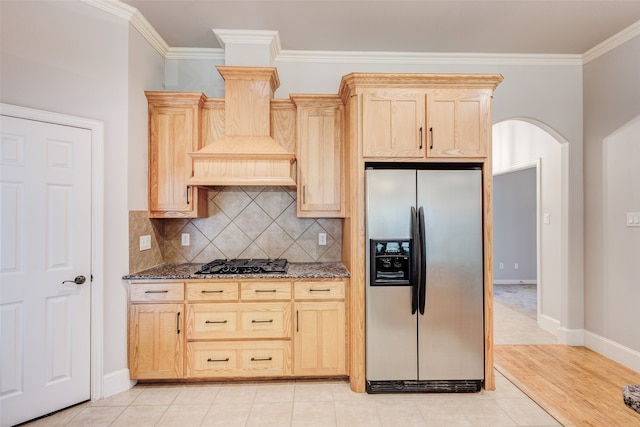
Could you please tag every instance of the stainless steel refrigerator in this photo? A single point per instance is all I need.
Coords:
(424, 291)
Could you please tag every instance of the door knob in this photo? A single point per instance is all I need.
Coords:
(79, 280)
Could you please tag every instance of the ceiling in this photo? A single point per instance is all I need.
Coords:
(471, 26)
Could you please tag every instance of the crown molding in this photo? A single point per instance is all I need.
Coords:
(135, 18)
(427, 58)
(256, 37)
(612, 42)
(215, 54)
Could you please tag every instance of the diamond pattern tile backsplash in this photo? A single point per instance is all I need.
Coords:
(243, 222)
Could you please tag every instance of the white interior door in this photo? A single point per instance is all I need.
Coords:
(45, 228)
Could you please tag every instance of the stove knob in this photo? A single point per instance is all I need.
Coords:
(233, 269)
(255, 270)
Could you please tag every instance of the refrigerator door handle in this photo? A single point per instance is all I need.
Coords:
(415, 261)
(422, 270)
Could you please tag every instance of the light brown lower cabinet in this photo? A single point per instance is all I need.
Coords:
(226, 359)
(319, 339)
(245, 329)
(156, 341)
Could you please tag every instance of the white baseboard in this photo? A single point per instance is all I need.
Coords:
(611, 349)
(515, 282)
(116, 382)
(573, 337)
(549, 324)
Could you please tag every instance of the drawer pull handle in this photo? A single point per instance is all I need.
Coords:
(212, 292)
(218, 360)
(262, 321)
(215, 321)
(156, 292)
(261, 359)
(266, 290)
(319, 290)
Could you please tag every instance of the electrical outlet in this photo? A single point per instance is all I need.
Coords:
(145, 242)
(501, 266)
(322, 239)
(515, 265)
(186, 239)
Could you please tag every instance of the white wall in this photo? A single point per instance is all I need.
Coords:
(146, 72)
(71, 58)
(612, 272)
(517, 143)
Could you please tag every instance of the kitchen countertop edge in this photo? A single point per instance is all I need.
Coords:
(186, 271)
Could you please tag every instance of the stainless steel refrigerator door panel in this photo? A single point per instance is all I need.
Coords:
(451, 334)
(391, 345)
(391, 329)
(390, 195)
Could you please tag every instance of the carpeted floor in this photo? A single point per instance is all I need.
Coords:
(520, 297)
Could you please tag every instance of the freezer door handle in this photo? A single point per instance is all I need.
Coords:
(415, 257)
(422, 270)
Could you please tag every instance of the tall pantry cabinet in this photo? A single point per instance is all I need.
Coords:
(418, 118)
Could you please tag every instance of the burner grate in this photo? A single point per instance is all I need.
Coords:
(244, 266)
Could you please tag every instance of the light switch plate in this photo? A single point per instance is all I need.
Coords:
(633, 219)
(186, 239)
(145, 242)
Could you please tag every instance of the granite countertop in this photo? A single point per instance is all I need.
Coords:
(302, 270)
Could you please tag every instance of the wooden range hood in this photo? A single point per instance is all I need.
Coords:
(246, 154)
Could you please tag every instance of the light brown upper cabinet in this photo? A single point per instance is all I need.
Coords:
(174, 131)
(405, 123)
(320, 175)
(422, 116)
(393, 123)
(459, 123)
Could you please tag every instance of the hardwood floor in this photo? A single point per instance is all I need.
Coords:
(575, 385)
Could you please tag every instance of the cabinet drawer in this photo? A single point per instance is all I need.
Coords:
(212, 291)
(238, 359)
(156, 292)
(320, 290)
(231, 321)
(256, 291)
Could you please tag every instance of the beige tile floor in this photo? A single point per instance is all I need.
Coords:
(318, 403)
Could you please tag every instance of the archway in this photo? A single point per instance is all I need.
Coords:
(524, 143)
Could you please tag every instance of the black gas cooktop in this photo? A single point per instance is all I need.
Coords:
(244, 266)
